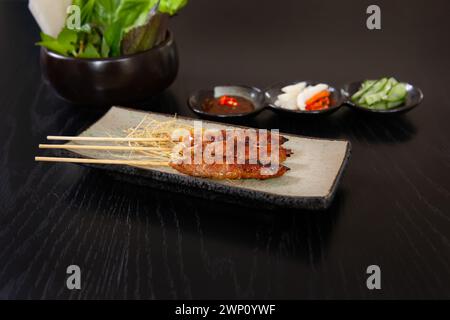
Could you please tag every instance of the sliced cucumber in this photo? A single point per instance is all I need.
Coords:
(373, 98)
(376, 87)
(394, 104)
(381, 105)
(393, 82)
(364, 105)
(381, 94)
(397, 93)
(366, 85)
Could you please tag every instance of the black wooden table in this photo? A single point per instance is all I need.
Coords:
(392, 209)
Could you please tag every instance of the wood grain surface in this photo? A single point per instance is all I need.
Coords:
(391, 210)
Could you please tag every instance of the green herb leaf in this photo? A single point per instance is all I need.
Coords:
(55, 46)
(68, 36)
(172, 6)
(113, 37)
(105, 49)
(65, 44)
(105, 11)
(113, 27)
(87, 9)
(90, 52)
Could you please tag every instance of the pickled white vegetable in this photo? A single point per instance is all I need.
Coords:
(295, 89)
(296, 96)
(287, 101)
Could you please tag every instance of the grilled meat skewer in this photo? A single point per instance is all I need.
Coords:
(239, 132)
(230, 171)
(282, 156)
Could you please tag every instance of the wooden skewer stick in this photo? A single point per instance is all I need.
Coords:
(106, 148)
(111, 139)
(103, 161)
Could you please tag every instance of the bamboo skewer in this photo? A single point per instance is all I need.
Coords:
(146, 146)
(103, 161)
(106, 148)
(110, 139)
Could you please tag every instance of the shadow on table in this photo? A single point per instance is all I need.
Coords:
(379, 129)
(344, 124)
(295, 234)
(166, 102)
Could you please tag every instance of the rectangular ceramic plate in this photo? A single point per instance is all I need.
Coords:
(316, 168)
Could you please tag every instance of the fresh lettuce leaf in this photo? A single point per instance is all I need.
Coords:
(144, 36)
(127, 13)
(147, 36)
(132, 14)
(90, 52)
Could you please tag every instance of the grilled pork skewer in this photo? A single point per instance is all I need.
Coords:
(282, 155)
(229, 171)
(233, 171)
(281, 139)
(239, 132)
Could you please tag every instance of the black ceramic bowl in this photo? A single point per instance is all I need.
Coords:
(414, 97)
(255, 95)
(105, 82)
(272, 93)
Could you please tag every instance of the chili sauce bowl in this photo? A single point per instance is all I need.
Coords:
(199, 100)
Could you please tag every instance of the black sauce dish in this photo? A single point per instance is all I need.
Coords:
(111, 81)
(256, 96)
(337, 100)
(414, 97)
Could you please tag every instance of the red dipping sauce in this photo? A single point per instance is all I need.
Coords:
(228, 105)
